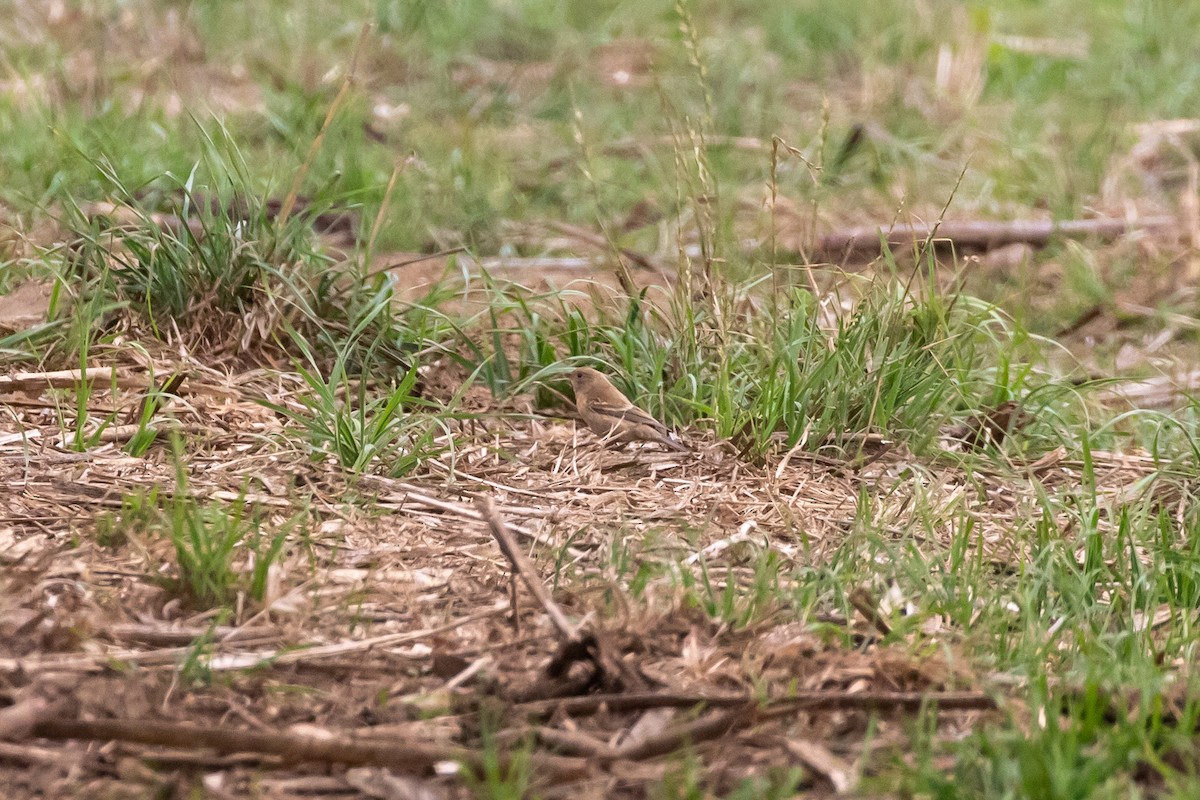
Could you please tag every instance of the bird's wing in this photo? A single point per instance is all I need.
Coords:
(631, 414)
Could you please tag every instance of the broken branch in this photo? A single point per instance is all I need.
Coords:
(333, 748)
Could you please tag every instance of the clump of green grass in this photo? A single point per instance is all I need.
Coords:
(502, 774)
(212, 263)
(218, 277)
(728, 598)
(138, 515)
(222, 551)
(86, 431)
(213, 543)
(360, 426)
(1083, 743)
(899, 363)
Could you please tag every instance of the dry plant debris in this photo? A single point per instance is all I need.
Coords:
(528, 612)
(393, 634)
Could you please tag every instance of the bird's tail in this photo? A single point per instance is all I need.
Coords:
(678, 447)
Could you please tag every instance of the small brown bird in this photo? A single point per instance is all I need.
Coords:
(611, 416)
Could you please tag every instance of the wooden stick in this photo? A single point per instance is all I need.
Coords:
(1161, 391)
(598, 241)
(714, 726)
(35, 707)
(866, 240)
(868, 606)
(224, 659)
(809, 700)
(575, 743)
(164, 635)
(29, 755)
(154, 400)
(626, 701)
(336, 748)
(414, 260)
(576, 643)
(521, 564)
(67, 379)
(700, 730)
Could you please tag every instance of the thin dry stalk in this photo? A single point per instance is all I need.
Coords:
(525, 568)
(289, 202)
(377, 225)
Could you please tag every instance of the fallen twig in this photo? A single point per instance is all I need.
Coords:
(748, 713)
(818, 758)
(868, 606)
(35, 704)
(27, 754)
(597, 240)
(907, 702)
(632, 147)
(575, 743)
(408, 262)
(1162, 391)
(806, 700)
(123, 433)
(331, 747)
(978, 235)
(67, 379)
(629, 701)
(154, 399)
(694, 732)
(575, 643)
(525, 568)
(166, 636)
(222, 659)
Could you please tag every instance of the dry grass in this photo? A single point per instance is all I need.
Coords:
(857, 614)
(389, 616)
